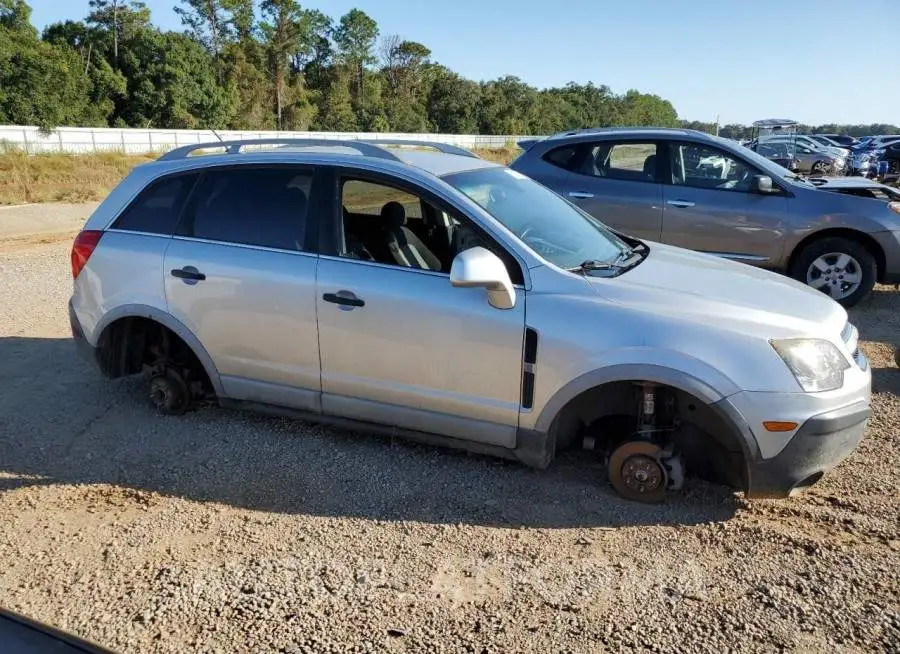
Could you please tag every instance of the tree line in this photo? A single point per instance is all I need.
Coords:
(743, 132)
(271, 64)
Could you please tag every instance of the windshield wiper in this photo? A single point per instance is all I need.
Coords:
(619, 263)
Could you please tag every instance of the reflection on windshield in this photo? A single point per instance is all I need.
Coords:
(553, 228)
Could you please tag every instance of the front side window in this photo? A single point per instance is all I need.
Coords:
(385, 224)
(635, 162)
(548, 224)
(702, 166)
(261, 206)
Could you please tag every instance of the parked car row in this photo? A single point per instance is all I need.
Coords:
(876, 157)
(386, 290)
(705, 193)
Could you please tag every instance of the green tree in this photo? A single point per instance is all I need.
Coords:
(355, 38)
(646, 109)
(335, 107)
(287, 34)
(15, 15)
(453, 102)
(173, 83)
(41, 83)
(405, 64)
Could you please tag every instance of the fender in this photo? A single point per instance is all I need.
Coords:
(166, 320)
(642, 364)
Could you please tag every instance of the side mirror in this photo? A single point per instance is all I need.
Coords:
(762, 184)
(478, 267)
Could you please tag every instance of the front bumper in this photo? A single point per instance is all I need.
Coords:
(819, 445)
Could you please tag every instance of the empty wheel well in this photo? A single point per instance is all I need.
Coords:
(129, 344)
(712, 447)
(851, 234)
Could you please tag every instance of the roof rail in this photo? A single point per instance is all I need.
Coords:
(365, 148)
(446, 148)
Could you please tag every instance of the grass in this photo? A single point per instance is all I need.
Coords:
(90, 177)
(62, 177)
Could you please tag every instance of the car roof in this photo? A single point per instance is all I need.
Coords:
(639, 132)
(435, 163)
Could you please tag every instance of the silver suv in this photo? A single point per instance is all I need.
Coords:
(441, 297)
(710, 194)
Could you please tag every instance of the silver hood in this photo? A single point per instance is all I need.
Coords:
(713, 290)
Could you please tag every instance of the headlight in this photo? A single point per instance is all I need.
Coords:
(818, 365)
(894, 206)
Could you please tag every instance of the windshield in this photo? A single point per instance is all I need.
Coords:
(553, 228)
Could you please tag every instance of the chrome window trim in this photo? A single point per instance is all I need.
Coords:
(246, 246)
(363, 262)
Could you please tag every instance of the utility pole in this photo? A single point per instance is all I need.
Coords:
(717, 124)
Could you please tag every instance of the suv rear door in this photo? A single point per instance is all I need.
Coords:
(618, 183)
(709, 206)
(240, 273)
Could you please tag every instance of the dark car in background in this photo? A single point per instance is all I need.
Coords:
(842, 140)
(690, 189)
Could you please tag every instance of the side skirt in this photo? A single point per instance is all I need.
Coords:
(532, 447)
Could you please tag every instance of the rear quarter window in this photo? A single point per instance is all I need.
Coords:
(565, 157)
(158, 207)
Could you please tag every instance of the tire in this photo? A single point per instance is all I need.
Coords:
(862, 261)
(818, 168)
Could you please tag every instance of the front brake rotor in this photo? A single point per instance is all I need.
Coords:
(637, 472)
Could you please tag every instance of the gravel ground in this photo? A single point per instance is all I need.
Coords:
(224, 532)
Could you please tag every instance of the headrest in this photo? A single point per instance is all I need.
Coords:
(394, 215)
(650, 165)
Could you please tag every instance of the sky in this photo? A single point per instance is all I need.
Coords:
(832, 61)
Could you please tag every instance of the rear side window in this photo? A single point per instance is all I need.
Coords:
(633, 162)
(564, 157)
(157, 209)
(262, 206)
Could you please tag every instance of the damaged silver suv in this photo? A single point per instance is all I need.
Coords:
(444, 298)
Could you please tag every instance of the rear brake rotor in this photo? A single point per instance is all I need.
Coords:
(637, 473)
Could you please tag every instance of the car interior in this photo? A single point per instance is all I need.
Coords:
(626, 161)
(390, 226)
(701, 167)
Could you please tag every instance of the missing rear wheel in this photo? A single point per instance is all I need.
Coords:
(169, 393)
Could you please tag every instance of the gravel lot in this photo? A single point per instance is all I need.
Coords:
(226, 532)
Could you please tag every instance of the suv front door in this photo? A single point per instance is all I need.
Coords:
(617, 182)
(399, 345)
(709, 206)
(240, 273)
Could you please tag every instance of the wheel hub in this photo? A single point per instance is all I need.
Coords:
(837, 274)
(636, 471)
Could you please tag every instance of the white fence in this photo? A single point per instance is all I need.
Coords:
(137, 141)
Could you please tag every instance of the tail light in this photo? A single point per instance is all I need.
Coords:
(82, 249)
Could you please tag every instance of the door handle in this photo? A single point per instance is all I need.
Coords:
(681, 204)
(344, 299)
(189, 274)
(580, 195)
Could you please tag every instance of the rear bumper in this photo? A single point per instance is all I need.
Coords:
(82, 346)
(820, 444)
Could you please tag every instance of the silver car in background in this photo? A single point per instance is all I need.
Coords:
(451, 300)
(694, 190)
